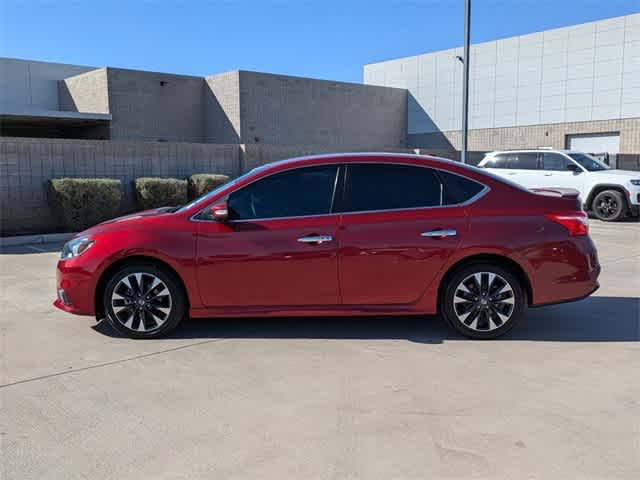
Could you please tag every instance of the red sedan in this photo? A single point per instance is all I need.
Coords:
(350, 234)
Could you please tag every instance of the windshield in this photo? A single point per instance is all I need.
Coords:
(587, 161)
(214, 192)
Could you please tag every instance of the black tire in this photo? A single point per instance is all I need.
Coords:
(609, 206)
(486, 316)
(158, 316)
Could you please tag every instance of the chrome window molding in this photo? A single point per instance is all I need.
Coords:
(486, 189)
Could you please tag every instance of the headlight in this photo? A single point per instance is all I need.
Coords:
(636, 182)
(76, 247)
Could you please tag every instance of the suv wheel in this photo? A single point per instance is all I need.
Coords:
(609, 206)
(144, 301)
(482, 301)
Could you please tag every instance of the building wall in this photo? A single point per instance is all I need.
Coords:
(27, 163)
(575, 74)
(222, 108)
(87, 92)
(532, 136)
(28, 86)
(149, 106)
(283, 110)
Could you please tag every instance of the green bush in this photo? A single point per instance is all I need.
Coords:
(202, 183)
(160, 192)
(80, 203)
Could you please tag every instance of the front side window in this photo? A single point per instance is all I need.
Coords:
(294, 193)
(588, 162)
(556, 162)
(390, 187)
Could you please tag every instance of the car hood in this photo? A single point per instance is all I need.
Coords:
(619, 173)
(128, 220)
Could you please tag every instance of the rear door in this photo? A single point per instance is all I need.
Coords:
(396, 234)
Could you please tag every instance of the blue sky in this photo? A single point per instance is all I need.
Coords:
(322, 39)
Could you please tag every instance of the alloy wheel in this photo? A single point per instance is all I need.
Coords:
(608, 206)
(141, 302)
(484, 301)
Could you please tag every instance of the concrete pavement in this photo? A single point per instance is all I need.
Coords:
(362, 398)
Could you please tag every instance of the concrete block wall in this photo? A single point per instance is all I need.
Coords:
(285, 110)
(222, 108)
(87, 92)
(149, 106)
(26, 165)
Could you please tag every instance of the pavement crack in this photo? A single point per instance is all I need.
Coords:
(107, 364)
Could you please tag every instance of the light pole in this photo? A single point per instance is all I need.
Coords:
(465, 81)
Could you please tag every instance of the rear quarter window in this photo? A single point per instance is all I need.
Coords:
(457, 189)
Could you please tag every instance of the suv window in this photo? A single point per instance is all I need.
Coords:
(294, 193)
(515, 160)
(458, 189)
(389, 187)
(555, 161)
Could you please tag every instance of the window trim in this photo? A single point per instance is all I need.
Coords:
(342, 168)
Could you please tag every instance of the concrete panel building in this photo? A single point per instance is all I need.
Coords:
(577, 87)
(40, 99)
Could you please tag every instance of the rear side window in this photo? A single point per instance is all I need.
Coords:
(300, 192)
(457, 189)
(522, 161)
(497, 161)
(390, 187)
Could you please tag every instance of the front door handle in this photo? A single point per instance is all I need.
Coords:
(440, 233)
(316, 239)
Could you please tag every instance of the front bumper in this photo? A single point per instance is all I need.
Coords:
(75, 289)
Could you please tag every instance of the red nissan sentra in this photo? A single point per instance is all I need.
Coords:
(349, 234)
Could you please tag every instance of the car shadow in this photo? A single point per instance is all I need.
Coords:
(595, 319)
(31, 249)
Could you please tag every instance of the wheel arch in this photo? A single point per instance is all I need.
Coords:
(496, 259)
(601, 187)
(120, 263)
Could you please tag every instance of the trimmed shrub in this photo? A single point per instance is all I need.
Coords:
(201, 183)
(80, 203)
(160, 192)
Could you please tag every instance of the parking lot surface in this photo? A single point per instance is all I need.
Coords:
(330, 398)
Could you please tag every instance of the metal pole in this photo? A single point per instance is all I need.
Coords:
(465, 81)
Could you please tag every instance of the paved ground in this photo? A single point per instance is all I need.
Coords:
(383, 398)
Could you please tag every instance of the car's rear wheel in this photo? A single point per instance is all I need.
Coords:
(144, 301)
(482, 301)
(609, 206)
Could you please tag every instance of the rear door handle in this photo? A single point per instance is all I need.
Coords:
(440, 233)
(316, 239)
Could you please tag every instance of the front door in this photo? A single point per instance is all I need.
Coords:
(396, 235)
(556, 173)
(279, 246)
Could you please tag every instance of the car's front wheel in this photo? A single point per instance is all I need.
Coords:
(142, 300)
(482, 301)
(609, 206)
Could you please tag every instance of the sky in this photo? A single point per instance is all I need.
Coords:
(325, 39)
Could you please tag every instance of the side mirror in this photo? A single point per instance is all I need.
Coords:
(574, 168)
(219, 212)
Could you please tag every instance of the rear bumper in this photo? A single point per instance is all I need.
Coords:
(570, 272)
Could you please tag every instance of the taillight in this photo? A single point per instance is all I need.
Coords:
(576, 222)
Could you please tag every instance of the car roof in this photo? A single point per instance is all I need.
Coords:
(356, 157)
(526, 150)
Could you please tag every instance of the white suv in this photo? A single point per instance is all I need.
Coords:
(609, 194)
